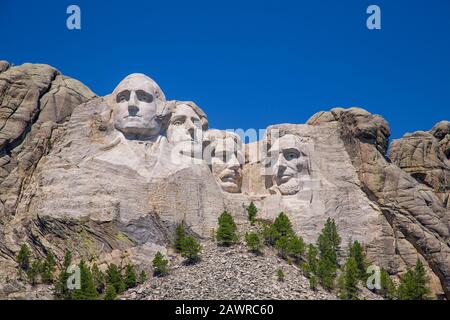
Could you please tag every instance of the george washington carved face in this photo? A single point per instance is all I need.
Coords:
(137, 107)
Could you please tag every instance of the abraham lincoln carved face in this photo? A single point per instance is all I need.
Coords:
(289, 163)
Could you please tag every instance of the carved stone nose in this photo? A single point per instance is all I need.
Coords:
(133, 110)
(191, 132)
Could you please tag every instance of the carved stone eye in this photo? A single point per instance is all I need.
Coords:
(178, 122)
(123, 96)
(290, 156)
(144, 96)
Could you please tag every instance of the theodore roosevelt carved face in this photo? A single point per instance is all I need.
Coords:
(226, 159)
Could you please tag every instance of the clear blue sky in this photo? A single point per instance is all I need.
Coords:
(249, 64)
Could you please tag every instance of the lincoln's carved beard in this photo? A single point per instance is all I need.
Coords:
(290, 187)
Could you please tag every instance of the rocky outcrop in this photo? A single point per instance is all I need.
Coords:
(416, 216)
(425, 156)
(35, 101)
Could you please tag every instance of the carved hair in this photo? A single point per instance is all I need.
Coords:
(212, 136)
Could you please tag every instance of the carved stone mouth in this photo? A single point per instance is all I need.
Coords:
(132, 117)
(230, 177)
(284, 178)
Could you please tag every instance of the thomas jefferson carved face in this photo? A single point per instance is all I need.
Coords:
(226, 161)
(288, 163)
(137, 102)
(185, 124)
(186, 127)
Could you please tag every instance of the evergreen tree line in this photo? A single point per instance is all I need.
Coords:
(94, 284)
(320, 262)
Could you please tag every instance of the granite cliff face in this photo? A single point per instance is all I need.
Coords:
(110, 177)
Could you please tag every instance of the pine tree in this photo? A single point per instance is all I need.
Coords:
(190, 249)
(114, 278)
(226, 233)
(388, 289)
(283, 225)
(407, 286)
(23, 258)
(48, 268)
(329, 241)
(270, 234)
(296, 247)
(110, 293)
(62, 291)
(130, 277)
(312, 259)
(413, 284)
(99, 279)
(142, 277)
(282, 246)
(34, 271)
(326, 272)
(420, 275)
(348, 281)
(356, 251)
(329, 246)
(251, 212)
(160, 265)
(180, 233)
(87, 290)
(253, 242)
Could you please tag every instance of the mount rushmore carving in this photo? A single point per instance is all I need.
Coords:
(140, 117)
(110, 177)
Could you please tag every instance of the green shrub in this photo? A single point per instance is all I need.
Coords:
(226, 233)
(251, 212)
(413, 284)
(130, 277)
(114, 278)
(160, 265)
(253, 242)
(190, 249)
(280, 275)
(23, 258)
(180, 233)
(348, 282)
